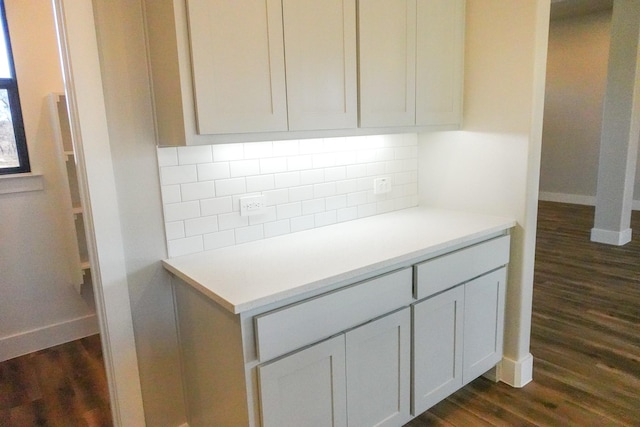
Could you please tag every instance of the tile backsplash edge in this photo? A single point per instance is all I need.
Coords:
(306, 183)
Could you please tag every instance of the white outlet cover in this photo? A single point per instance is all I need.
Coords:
(252, 205)
(382, 185)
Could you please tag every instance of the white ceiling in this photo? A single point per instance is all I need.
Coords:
(566, 8)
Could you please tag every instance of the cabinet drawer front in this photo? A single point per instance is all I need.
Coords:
(292, 327)
(443, 272)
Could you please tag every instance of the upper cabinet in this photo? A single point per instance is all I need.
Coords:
(387, 36)
(225, 71)
(439, 62)
(238, 66)
(320, 46)
(411, 62)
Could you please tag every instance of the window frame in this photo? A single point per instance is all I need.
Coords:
(11, 86)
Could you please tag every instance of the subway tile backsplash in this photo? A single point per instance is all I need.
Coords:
(306, 183)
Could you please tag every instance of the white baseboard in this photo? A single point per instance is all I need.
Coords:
(609, 237)
(48, 336)
(516, 373)
(576, 199)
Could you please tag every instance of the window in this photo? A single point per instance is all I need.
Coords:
(14, 157)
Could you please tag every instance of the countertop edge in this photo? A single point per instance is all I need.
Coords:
(200, 287)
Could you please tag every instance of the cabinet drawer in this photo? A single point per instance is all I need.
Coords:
(448, 270)
(295, 326)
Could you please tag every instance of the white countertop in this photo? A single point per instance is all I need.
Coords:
(251, 275)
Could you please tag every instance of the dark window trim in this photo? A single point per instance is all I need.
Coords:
(11, 85)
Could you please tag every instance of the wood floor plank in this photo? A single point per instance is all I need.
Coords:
(530, 402)
(61, 386)
(5, 416)
(477, 403)
(18, 383)
(456, 414)
(59, 396)
(29, 414)
(98, 417)
(601, 399)
(577, 373)
(428, 419)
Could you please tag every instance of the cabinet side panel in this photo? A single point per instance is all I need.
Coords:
(238, 65)
(387, 43)
(440, 38)
(162, 42)
(212, 360)
(320, 44)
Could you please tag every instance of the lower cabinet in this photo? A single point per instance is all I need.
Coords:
(437, 349)
(379, 371)
(372, 353)
(368, 366)
(483, 323)
(457, 337)
(306, 388)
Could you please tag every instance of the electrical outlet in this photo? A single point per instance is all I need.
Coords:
(252, 205)
(382, 185)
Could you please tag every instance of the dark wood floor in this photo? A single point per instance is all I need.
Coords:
(63, 386)
(585, 342)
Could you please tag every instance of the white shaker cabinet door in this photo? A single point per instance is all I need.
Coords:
(387, 54)
(439, 62)
(483, 323)
(320, 46)
(306, 388)
(379, 371)
(437, 348)
(238, 65)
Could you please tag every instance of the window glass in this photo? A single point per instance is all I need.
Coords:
(14, 157)
(5, 68)
(8, 150)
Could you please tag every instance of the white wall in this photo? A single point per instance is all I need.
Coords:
(38, 306)
(576, 81)
(492, 165)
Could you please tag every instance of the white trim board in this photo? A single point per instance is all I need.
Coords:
(516, 373)
(21, 183)
(576, 199)
(80, 60)
(47, 336)
(617, 238)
